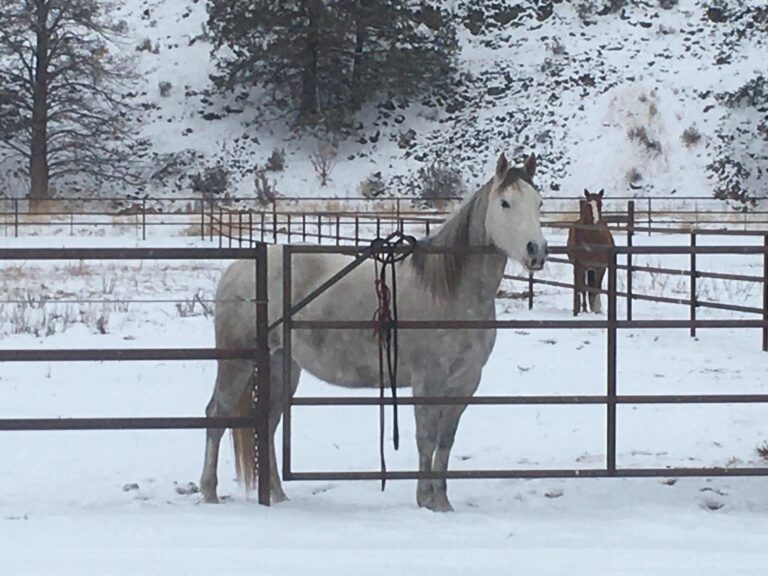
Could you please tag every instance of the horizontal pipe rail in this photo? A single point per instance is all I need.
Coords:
(159, 423)
(525, 324)
(125, 354)
(126, 253)
(530, 473)
(554, 400)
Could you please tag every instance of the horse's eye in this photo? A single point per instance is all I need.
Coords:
(504, 204)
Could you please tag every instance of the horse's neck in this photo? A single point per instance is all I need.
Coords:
(483, 272)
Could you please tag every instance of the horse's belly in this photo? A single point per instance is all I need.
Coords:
(340, 357)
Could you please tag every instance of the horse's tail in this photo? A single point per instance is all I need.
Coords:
(243, 440)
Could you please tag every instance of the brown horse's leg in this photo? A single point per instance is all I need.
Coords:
(594, 301)
(577, 274)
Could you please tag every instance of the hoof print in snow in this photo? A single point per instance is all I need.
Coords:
(186, 489)
(524, 368)
(668, 481)
(556, 493)
(712, 504)
(548, 341)
(131, 487)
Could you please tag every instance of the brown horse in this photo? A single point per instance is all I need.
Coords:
(585, 240)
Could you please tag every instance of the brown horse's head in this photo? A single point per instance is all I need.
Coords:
(592, 207)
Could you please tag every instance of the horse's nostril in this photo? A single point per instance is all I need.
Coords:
(532, 248)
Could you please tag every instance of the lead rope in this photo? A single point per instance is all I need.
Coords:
(387, 252)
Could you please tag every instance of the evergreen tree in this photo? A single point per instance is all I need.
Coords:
(58, 105)
(324, 59)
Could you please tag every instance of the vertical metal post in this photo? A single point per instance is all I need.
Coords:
(263, 376)
(202, 219)
(261, 225)
(427, 227)
(250, 227)
(15, 217)
(304, 227)
(357, 230)
(530, 290)
(338, 230)
(378, 226)
(221, 225)
(693, 282)
(289, 224)
(274, 221)
(319, 228)
(630, 243)
(650, 216)
(229, 231)
(287, 324)
(210, 226)
(399, 220)
(240, 229)
(612, 344)
(765, 293)
(71, 224)
(143, 218)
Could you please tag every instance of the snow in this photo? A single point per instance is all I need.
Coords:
(66, 506)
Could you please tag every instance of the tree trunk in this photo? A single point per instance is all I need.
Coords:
(356, 88)
(38, 162)
(309, 88)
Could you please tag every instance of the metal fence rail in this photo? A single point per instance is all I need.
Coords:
(611, 399)
(260, 352)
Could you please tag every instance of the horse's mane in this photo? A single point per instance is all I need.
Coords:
(442, 273)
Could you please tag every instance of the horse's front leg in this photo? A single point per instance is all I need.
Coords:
(426, 442)
(576, 290)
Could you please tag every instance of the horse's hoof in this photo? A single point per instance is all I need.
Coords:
(277, 498)
(440, 505)
(210, 499)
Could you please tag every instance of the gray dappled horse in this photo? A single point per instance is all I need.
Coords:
(503, 214)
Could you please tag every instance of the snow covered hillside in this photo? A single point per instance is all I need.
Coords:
(653, 98)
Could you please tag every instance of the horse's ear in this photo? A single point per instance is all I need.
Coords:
(501, 166)
(530, 165)
(602, 191)
(586, 193)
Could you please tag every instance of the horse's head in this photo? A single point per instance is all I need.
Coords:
(592, 208)
(514, 206)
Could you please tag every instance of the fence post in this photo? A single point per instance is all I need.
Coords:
(399, 221)
(286, 367)
(650, 217)
(274, 221)
(611, 368)
(211, 219)
(765, 293)
(143, 218)
(338, 230)
(262, 381)
(693, 283)
(221, 225)
(262, 224)
(357, 230)
(230, 234)
(239, 228)
(250, 227)
(303, 226)
(202, 219)
(630, 243)
(530, 290)
(289, 224)
(427, 227)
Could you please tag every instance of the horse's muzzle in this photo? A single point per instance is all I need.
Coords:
(537, 255)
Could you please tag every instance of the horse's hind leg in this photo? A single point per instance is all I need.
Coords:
(276, 399)
(231, 379)
(595, 303)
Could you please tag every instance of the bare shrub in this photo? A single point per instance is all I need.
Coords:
(640, 135)
(266, 189)
(373, 186)
(323, 161)
(165, 88)
(691, 136)
(276, 161)
(211, 182)
(438, 182)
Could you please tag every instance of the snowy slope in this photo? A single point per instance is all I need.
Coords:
(604, 99)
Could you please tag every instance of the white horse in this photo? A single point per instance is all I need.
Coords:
(503, 214)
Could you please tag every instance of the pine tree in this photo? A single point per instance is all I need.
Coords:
(58, 103)
(325, 59)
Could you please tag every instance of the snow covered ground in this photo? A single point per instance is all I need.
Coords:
(116, 502)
